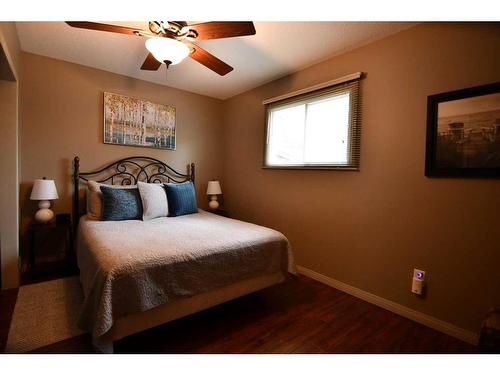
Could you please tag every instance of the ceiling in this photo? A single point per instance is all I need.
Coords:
(277, 49)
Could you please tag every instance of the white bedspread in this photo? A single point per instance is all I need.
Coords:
(132, 266)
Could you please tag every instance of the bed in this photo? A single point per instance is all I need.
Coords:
(138, 274)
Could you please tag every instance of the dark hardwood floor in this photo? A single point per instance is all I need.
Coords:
(298, 316)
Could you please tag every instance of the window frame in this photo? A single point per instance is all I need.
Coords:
(305, 96)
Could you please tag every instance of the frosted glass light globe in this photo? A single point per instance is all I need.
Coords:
(167, 49)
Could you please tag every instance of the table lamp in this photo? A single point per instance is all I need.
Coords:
(213, 190)
(43, 191)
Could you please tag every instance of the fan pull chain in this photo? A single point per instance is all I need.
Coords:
(167, 64)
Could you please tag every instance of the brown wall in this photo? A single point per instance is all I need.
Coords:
(8, 185)
(370, 228)
(62, 116)
(9, 161)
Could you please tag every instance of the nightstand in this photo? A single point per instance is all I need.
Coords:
(220, 212)
(50, 247)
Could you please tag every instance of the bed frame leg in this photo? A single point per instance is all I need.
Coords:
(103, 345)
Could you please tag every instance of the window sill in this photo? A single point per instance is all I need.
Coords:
(313, 167)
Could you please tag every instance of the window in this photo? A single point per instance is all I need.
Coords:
(318, 129)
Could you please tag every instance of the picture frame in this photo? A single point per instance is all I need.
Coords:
(463, 133)
(130, 121)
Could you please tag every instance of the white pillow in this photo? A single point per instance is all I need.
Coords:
(94, 198)
(154, 200)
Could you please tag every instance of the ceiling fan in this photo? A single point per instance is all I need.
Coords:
(170, 42)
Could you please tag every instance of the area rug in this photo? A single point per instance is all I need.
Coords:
(45, 313)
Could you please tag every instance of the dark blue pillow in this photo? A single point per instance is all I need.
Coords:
(121, 204)
(181, 199)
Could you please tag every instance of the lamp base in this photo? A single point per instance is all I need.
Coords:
(44, 213)
(213, 204)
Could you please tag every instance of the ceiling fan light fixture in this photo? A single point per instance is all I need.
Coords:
(167, 49)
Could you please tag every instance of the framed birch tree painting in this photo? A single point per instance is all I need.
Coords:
(136, 122)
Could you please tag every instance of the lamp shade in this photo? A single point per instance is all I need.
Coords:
(44, 190)
(213, 188)
(166, 49)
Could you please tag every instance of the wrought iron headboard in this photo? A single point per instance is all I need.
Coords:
(127, 171)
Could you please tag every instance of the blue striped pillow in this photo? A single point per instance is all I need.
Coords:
(181, 199)
(121, 204)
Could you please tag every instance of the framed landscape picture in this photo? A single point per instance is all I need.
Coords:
(463, 133)
(136, 122)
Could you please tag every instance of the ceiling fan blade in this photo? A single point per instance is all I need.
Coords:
(106, 27)
(221, 29)
(209, 60)
(182, 23)
(150, 63)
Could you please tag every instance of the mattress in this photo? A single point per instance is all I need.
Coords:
(127, 267)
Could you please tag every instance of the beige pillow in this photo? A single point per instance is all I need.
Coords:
(94, 198)
(154, 200)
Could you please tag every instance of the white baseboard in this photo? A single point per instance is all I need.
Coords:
(396, 308)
